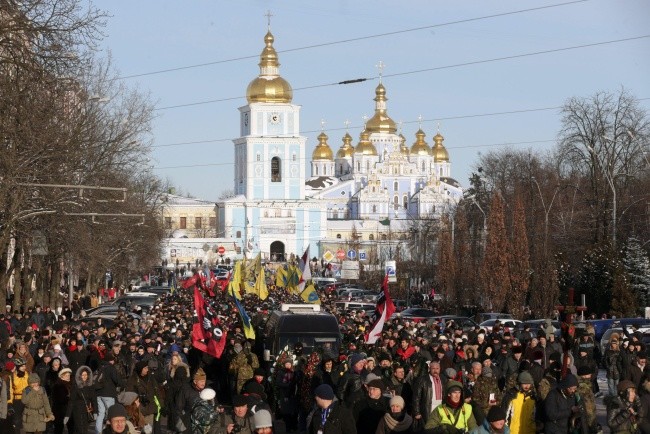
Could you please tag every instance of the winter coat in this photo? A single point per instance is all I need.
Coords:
(368, 413)
(557, 408)
(177, 377)
(110, 381)
(613, 364)
(619, 418)
(350, 388)
(423, 394)
(339, 421)
(485, 428)
(37, 410)
(61, 392)
(389, 424)
(147, 390)
(82, 399)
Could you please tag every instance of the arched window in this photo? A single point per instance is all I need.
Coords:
(338, 236)
(405, 201)
(423, 166)
(368, 166)
(335, 213)
(359, 166)
(383, 237)
(238, 234)
(396, 186)
(396, 202)
(276, 173)
(374, 209)
(316, 170)
(341, 168)
(371, 237)
(441, 171)
(258, 157)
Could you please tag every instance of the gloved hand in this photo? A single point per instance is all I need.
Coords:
(65, 420)
(147, 429)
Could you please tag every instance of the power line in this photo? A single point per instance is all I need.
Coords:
(418, 71)
(360, 38)
(302, 160)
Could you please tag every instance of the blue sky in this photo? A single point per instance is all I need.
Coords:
(145, 36)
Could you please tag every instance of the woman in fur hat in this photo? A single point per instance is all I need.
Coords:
(81, 406)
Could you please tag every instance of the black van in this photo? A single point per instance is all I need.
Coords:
(304, 323)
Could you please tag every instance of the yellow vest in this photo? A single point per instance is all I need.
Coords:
(447, 417)
(19, 384)
(522, 412)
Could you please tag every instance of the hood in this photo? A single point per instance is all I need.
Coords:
(77, 377)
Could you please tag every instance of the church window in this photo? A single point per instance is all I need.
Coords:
(183, 223)
(341, 169)
(266, 213)
(424, 167)
(278, 213)
(383, 237)
(394, 170)
(367, 165)
(373, 189)
(238, 235)
(405, 200)
(338, 236)
(396, 202)
(441, 171)
(335, 214)
(396, 186)
(197, 222)
(374, 209)
(276, 172)
(371, 237)
(293, 156)
(258, 157)
(316, 170)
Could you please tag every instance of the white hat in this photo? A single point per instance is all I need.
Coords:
(207, 394)
(57, 347)
(262, 419)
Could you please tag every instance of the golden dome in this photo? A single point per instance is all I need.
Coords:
(420, 147)
(346, 150)
(402, 145)
(381, 122)
(366, 147)
(322, 151)
(269, 86)
(438, 150)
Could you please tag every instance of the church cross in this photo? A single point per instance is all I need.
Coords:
(347, 124)
(380, 67)
(268, 16)
(420, 122)
(365, 120)
(322, 125)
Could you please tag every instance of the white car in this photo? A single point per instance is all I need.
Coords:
(510, 323)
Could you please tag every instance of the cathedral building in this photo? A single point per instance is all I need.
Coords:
(279, 210)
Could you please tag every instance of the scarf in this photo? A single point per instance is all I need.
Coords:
(397, 422)
(72, 348)
(452, 404)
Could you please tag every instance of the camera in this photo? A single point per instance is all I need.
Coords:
(236, 428)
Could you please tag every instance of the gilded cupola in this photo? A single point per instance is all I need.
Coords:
(365, 146)
(346, 150)
(322, 151)
(381, 122)
(420, 147)
(438, 150)
(269, 86)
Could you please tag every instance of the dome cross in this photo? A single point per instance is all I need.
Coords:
(380, 67)
(268, 16)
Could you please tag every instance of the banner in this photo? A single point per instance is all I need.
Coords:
(385, 308)
(207, 335)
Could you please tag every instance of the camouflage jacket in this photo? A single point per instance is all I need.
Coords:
(483, 387)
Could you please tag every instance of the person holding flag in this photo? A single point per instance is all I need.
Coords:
(385, 308)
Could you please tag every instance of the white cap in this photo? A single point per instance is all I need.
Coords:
(207, 394)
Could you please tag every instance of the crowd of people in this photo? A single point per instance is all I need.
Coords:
(65, 372)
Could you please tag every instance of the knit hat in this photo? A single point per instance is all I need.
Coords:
(397, 400)
(569, 381)
(525, 378)
(199, 375)
(64, 371)
(496, 413)
(127, 398)
(451, 373)
(116, 410)
(10, 366)
(376, 383)
(33, 378)
(453, 385)
(140, 366)
(262, 419)
(324, 391)
(356, 358)
(624, 385)
(254, 388)
(584, 370)
(207, 394)
(371, 376)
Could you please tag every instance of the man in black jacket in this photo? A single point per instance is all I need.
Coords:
(106, 388)
(330, 417)
(560, 405)
(428, 392)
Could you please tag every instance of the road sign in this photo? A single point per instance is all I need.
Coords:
(340, 254)
(337, 274)
(328, 256)
(352, 254)
(350, 270)
(362, 255)
(221, 250)
(391, 271)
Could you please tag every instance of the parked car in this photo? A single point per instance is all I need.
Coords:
(489, 324)
(618, 328)
(484, 316)
(415, 314)
(145, 302)
(537, 324)
(462, 321)
(356, 305)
